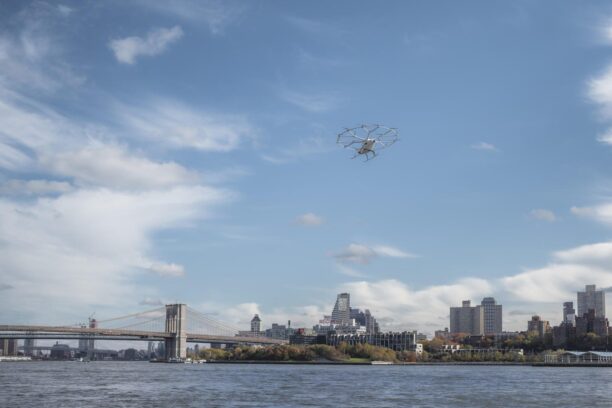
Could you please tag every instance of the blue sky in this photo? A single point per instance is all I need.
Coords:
(186, 152)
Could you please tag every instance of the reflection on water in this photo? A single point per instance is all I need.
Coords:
(132, 384)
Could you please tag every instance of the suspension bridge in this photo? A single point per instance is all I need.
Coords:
(175, 324)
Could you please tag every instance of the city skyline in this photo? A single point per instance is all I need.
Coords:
(151, 155)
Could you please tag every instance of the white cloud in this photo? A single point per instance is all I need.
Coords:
(599, 253)
(555, 282)
(32, 57)
(105, 165)
(309, 220)
(81, 206)
(543, 215)
(35, 187)
(180, 126)
(157, 41)
(384, 250)
(311, 102)
(601, 213)
(484, 146)
(86, 247)
(165, 269)
(600, 91)
(149, 301)
(64, 10)
(605, 138)
(363, 254)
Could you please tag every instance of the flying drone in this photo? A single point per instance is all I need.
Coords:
(366, 140)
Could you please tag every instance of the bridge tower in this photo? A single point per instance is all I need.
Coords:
(176, 346)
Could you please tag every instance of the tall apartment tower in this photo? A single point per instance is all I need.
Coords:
(592, 299)
(467, 319)
(342, 309)
(492, 315)
(256, 324)
(539, 326)
(569, 313)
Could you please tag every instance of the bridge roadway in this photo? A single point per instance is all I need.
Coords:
(78, 333)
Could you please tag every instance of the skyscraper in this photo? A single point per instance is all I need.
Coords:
(592, 299)
(467, 319)
(492, 313)
(342, 309)
(370, 323)
(256, 324)
(28, 347)
(569, 313)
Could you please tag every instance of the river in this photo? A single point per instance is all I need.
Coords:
(142, 384)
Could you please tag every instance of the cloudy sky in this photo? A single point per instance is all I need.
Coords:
(185, 151)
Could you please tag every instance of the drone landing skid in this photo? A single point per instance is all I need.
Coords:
(366, 154)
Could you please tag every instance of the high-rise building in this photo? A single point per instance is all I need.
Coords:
(8, 347)
(358, 316)
(492, 313)
(370, 323)
(592, 299)
(365, 319)
(28, 347)
(569, 313)
(590, 323)
(91, 345)
(467, 319)
(342, 310)
(256, 324)
(539, 326)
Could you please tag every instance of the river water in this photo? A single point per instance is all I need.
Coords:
(142, 384)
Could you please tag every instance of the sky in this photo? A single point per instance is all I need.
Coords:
(185, 151)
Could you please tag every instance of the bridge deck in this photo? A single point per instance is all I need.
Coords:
(76, 333)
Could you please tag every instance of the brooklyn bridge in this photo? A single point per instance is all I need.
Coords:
(175, 324)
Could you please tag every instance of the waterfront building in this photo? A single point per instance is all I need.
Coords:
(467, 319)
(342, 310)
(569, 313)
(256, 324)
(539, 326)
(306, 337)
(443, 334)
(594, 299)
(492, 314)
(60, 352)
(279, 331)
(563, 334)
(392, 340)
(591, 323)
(8, 347)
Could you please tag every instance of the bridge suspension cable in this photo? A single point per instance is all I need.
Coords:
(199, 323)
